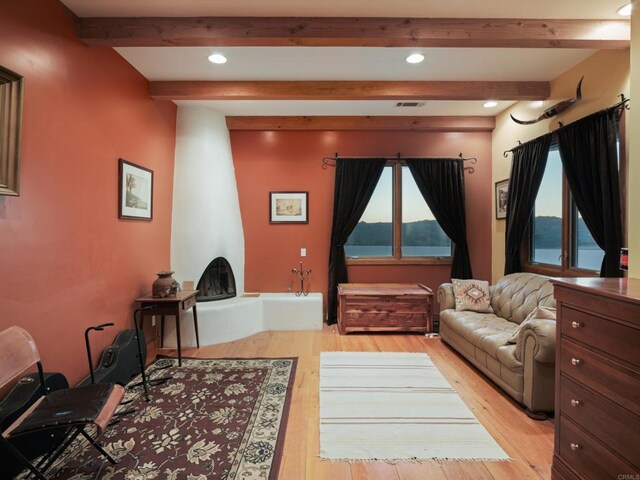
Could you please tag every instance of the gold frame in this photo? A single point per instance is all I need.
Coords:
(11, 100)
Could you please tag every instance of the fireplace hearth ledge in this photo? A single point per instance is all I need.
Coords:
(240, 317)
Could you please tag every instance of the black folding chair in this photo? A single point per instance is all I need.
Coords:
(73, 408)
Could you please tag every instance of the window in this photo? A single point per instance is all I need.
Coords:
(546, 226)
(559, 241)
(373, 236)
(397, 224)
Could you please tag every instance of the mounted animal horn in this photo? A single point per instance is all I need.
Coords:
(554, 110)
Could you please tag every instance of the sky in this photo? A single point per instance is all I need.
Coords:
(549, 200)
(414, 208)
(380, 208)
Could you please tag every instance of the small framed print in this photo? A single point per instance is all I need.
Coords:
(135, 191)
(502, 189)
(288, 207)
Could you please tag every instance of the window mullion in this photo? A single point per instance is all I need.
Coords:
(397, 210)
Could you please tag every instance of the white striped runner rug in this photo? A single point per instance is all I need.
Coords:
(395, 406)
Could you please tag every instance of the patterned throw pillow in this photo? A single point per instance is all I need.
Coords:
(472, 295)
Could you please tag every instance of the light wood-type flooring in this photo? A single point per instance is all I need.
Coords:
(528, 442)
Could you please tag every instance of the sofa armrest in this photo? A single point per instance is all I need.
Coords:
(446, 298)
(540, 337)
(537, 348)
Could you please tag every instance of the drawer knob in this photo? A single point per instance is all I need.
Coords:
(576, 361)
(575, 403)
(576, 324)
(575, 446)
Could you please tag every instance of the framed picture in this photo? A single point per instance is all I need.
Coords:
(135, 191)
(502, 189)
(11, 96)
(288, 207)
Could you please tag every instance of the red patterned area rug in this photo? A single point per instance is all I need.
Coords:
(214, 419)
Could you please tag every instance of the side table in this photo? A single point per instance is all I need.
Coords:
(174, 305)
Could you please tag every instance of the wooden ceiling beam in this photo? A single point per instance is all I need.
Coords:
(353, 32)
(348, 90)
(423, 124)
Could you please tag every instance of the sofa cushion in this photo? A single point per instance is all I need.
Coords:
(515, 296)
(472, 295)
(485, 331)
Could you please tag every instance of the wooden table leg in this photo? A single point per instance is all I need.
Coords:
(161, 331)
(195, 324)
(178, 338)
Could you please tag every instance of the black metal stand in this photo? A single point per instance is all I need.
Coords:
(98, 328)
(145, 382)
(140, 359)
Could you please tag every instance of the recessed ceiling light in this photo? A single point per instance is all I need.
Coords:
(625, 10)
(217, 58)
(490, 104)
(415, 58)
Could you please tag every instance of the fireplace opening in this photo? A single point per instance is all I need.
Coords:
(217, 282)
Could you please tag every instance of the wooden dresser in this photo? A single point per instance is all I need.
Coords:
(597, 420)
(405, 307)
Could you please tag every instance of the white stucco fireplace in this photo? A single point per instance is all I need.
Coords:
(207, 224)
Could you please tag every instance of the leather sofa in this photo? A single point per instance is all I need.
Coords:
(525, 370)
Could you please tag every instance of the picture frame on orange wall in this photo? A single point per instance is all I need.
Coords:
(288, 207)
(502, 190)
(135, 191)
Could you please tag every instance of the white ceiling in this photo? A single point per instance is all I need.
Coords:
(350, 63)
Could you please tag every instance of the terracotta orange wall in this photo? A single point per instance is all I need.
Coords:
(66, 260)
(291, 160)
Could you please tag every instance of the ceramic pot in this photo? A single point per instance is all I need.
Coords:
(164, 285)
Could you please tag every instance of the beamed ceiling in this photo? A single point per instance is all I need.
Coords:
(346, 59)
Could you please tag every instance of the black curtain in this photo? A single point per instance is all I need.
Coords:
(356, 179)
(527, 170)
(441, 182)
(589, 156)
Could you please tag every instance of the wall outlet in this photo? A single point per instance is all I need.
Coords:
(303, 252)
(153, 321)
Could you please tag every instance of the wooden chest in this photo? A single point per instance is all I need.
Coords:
(597, 379)
(404, 307)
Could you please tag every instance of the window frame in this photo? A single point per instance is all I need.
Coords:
(397, 258)
(569, 226)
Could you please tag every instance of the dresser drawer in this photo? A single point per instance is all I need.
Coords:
(188, 303)
(387, 304)
(611, 379)
(606, 335)
(586, 455)
(384, 319)
(611, 425)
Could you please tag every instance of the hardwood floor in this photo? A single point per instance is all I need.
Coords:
(529, 443)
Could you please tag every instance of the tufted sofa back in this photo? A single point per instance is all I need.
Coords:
(514, 296)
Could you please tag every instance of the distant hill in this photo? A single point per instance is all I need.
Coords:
(423, 232)
(548, 233)
(427, 232)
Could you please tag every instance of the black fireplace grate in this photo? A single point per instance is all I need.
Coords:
(217, 282)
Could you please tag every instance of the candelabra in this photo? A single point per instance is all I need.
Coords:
(302, 273)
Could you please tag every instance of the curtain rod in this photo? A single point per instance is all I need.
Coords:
(326, 161)
(623, 103)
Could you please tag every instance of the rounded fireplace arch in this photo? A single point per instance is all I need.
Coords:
(217, 282)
